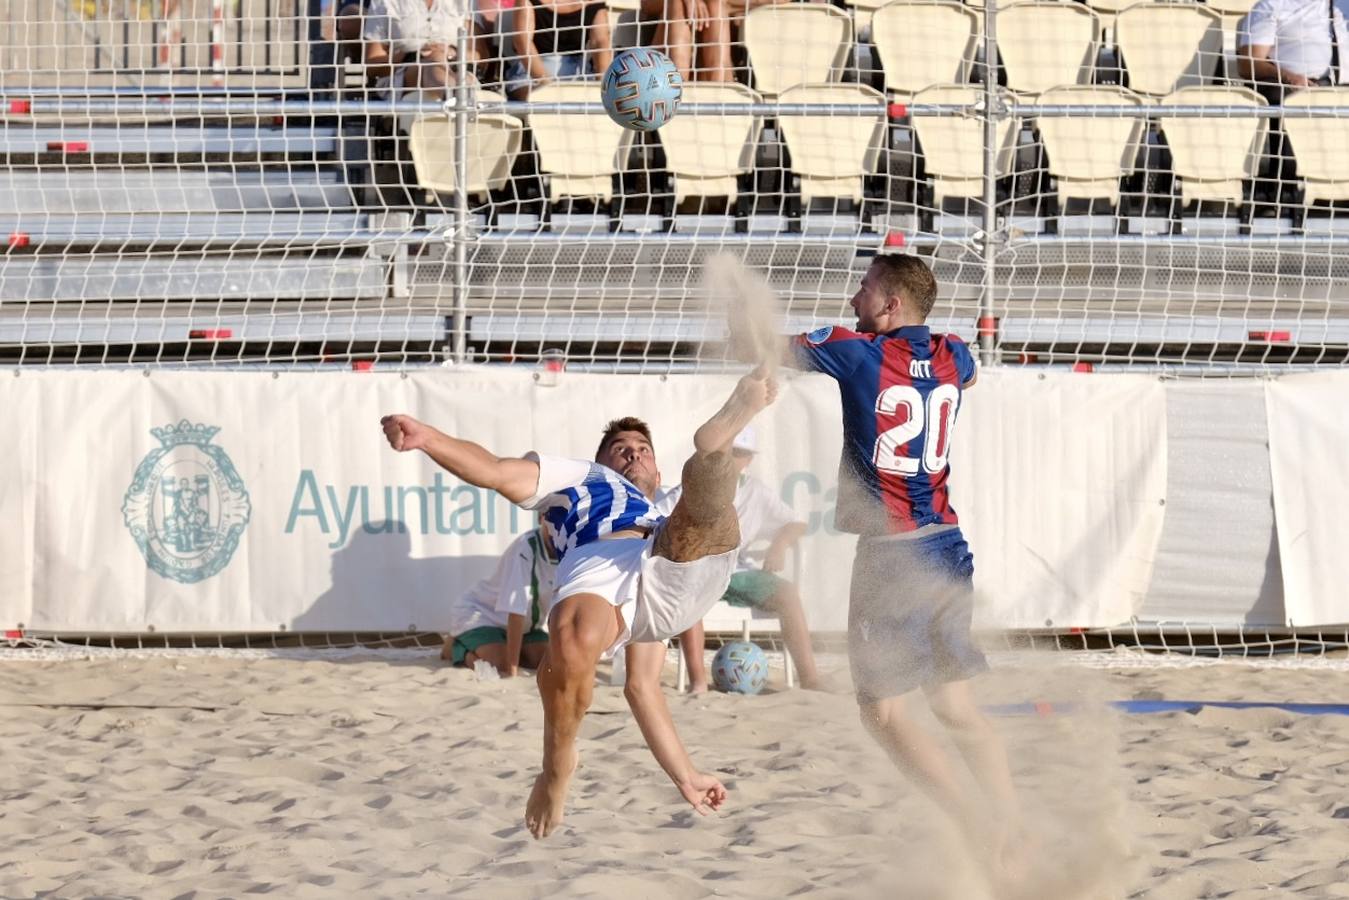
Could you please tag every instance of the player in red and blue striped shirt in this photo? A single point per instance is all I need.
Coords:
(901, 392)
(912, 581)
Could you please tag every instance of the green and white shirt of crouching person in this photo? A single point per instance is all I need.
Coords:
(502, 619)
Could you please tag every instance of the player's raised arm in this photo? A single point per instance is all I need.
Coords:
(752, 393)
(513, 478)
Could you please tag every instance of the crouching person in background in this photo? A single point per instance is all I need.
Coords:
(501, 619)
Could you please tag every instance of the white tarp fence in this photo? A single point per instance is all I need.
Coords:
(279, 505)
(1308, 450)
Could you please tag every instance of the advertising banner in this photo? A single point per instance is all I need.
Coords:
(261, 501)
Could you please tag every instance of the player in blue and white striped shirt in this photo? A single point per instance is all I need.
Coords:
(582, 502)
(629, 578)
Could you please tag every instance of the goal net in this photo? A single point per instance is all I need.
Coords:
(286, 181)
(314, 184)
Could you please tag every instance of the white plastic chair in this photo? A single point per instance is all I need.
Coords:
(1090, 154)
(493, 144)
(1046, 43)
(1214, 156)
(796, 43)
(1167, 46)
(707, 153)
(832, 154)
(952, 146)
(923, 42)
(1320, 145)
(581, 153)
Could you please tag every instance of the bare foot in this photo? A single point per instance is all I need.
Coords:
(547, 801)
(1010, 862)
(698, 687)
(823, 685)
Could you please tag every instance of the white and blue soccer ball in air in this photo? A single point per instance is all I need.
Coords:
(740, 668)
(641, 89)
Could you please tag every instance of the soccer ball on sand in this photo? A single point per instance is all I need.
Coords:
(740, 668)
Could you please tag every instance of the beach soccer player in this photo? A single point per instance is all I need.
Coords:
(769, 529)
(628, 578)
(911, 598)
(501, 618)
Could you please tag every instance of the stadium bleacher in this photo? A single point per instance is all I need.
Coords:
(331, 234)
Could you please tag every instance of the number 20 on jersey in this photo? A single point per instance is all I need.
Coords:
(930, 418)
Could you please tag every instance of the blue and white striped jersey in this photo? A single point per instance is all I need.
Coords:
(582, 501)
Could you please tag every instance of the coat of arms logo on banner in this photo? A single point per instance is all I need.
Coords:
(186, 506)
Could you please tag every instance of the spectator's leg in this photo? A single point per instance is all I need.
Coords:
(493, 653)
(431, 72)
(486, 55)
(601, 43)
(691, 644)
(322, 31)
(714, 45)
(514, 65)
(350, 23)
(531, 654)
(786, 604)
(525, 66)
(1282, 169)
(673, 32)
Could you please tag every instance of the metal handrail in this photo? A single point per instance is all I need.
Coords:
(38, 102)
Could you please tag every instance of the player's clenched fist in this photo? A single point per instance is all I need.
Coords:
(757, 389)
(404, 432)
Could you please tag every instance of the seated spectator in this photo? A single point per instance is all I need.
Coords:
(553, 40)
(684, 27)
(487, 22)
(1285, 45)
(756, 584)
(408, 45)
(1289, 44)
(501, 620)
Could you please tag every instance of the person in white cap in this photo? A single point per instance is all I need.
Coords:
(769, 528)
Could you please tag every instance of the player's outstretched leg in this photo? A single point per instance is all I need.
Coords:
(581, 628)
(703, 522)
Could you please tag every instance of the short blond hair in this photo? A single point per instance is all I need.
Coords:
(909, 277)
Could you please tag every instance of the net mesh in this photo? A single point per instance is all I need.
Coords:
(1139, 645)
(311, 182)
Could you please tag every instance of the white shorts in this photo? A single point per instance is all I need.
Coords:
(658, 598)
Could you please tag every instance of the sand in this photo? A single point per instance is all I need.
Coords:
(394, 776)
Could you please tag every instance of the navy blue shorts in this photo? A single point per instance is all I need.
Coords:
(909, 615)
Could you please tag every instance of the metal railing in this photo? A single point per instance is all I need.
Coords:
(287, 29)
(140, 42)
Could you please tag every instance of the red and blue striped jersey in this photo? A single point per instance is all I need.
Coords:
(901, 393)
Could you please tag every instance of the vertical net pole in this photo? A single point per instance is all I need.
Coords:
(988, 351)
(460, 231)
(217, 43)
